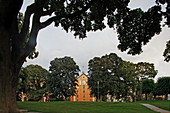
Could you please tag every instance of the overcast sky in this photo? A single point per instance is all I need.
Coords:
(54, 42)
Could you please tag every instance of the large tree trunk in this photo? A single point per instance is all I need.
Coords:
(7, 93)
(15, 46)
(9, 68)
(8, 75)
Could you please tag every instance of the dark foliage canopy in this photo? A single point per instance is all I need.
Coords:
(134, 27)
(163, 86)
(147, 86)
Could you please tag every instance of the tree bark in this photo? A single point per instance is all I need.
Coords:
(146, 96)
(9, 60)
(166, 96)
(8, 94)
(8, 75)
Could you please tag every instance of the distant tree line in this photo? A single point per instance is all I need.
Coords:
(118, 78)
(161, 87)
(36, 82)
(108, 75)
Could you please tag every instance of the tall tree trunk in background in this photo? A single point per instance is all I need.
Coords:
(134, 96)
(146, 96)
(166, 96)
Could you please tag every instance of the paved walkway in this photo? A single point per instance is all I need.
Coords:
(34, 112)
(26, 111)
(154, 108)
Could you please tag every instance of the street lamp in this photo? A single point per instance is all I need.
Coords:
(169, 95)
(98, 89)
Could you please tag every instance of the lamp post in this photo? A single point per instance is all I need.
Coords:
(169, 95)
(98, 90)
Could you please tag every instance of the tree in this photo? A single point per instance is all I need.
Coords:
(62, 77)
(135, 28)
(112, 75)
(147, 87)
(99, 77)
(163, 86)
(32, 82)
(143, 70)
(121, 77)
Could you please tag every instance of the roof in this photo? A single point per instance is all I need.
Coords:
(82, 75)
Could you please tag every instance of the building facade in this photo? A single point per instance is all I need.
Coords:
(83, 92)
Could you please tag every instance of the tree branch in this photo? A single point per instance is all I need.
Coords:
(36, 9)
(76, 13)
(29, 11)
(49, 12)
(28, 46)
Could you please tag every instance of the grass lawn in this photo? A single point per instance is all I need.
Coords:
(164, 104)
(84, 107)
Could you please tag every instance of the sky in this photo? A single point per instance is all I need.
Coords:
(54, 42)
